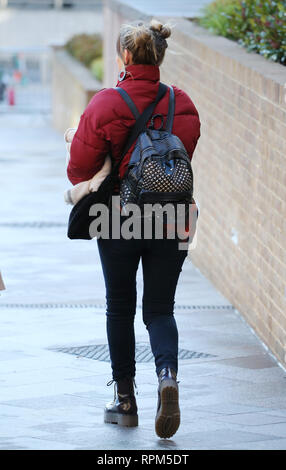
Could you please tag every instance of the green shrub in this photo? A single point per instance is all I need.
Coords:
(216, 16)
(258, 25)
(85, 47)
(96, 68)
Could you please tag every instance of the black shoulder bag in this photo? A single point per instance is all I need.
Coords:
(79, 219)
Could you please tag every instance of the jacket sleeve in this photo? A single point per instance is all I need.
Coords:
(187, 121)
(88, 149)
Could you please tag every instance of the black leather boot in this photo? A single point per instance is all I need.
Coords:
(123, 409)
(168, 412)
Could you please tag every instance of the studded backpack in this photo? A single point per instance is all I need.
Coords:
(159, 170)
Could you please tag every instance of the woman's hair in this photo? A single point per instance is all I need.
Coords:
(147, 43)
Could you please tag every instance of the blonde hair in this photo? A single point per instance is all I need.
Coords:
(147, 43)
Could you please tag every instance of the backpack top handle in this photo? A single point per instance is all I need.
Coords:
(130, 103)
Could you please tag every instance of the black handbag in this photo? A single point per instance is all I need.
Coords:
(80, 219)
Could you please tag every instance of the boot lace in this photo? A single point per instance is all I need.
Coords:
(109, 384)
(112, 381)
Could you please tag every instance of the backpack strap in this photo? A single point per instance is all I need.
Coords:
(171, 110)
(140, 124)
(136, 114)
(128, 101)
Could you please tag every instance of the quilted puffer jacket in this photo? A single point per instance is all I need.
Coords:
(105, 124)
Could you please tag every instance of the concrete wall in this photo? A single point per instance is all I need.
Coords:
(239, 166)
(72, 88)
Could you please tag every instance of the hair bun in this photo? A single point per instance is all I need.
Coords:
(163, 30)
(146, 42)
(142, 36)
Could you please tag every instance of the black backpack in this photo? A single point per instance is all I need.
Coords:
(159, 170)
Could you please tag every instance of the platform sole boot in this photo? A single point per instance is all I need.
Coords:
(123, 409)
(167, 419)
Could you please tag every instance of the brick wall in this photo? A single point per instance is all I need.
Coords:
(239, 167)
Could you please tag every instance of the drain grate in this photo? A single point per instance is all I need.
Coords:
(103, 306)
(143, 353)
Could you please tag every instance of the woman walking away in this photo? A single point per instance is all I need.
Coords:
(103, 130)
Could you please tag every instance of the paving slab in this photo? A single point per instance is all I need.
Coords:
(232, 391)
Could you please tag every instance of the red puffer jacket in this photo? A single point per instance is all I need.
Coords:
(106, 122)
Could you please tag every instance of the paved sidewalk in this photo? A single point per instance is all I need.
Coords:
(232, 392)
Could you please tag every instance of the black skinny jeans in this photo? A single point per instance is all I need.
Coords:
(162, 263)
